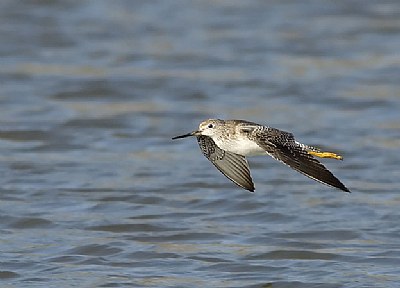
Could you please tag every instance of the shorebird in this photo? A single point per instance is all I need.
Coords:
(226, 143)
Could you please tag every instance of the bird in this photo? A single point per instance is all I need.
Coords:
(226, 143)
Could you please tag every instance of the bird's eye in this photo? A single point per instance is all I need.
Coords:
(210, 126)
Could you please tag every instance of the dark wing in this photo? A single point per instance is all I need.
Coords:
(282, 146)
(233, 166)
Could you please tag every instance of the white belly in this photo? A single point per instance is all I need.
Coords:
(243, 147)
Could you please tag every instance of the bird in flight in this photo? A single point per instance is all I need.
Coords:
(226, 143)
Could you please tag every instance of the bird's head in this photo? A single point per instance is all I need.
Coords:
(207, 128)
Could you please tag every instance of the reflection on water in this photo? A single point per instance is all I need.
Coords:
(95, 194)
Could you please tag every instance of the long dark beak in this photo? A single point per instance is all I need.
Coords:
(194, 133)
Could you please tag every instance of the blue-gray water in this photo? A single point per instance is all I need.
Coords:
(94, 193)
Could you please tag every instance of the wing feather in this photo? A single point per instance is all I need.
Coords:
(282, 146)
(233, 166)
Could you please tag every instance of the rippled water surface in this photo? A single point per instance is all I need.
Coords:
(94, 193)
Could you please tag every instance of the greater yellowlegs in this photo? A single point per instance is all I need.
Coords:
(226, 143)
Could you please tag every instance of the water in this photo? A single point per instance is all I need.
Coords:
(94, 193)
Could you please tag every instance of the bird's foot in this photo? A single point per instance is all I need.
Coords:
(321, 154)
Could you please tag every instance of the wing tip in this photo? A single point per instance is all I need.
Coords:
(338, 184)
(344, 189)
(246, 186)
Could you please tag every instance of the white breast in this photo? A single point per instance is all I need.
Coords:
(243, 146)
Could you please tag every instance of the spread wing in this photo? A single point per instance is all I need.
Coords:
(233, 166)
(282, 146)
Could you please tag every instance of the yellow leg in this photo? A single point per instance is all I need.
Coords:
(325, 155)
